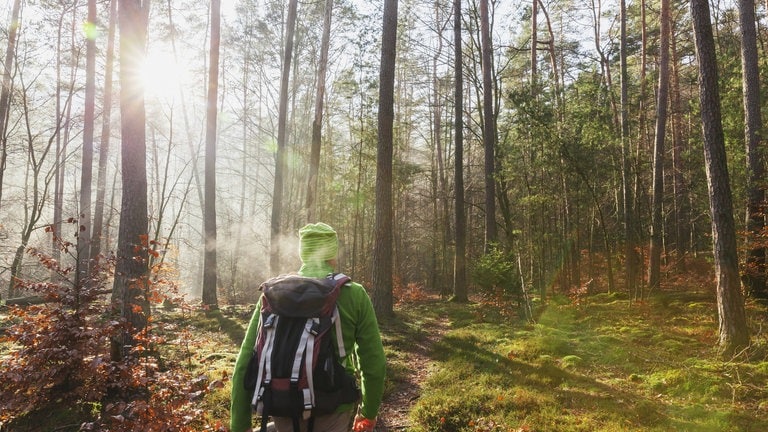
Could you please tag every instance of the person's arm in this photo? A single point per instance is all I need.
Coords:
(370, 356)
(241, 412)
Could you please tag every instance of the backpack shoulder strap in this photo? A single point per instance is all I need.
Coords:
(340, 279)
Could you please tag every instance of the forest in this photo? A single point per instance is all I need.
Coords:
(483, 161)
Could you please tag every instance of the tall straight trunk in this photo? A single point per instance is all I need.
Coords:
(632, 260)
(489, 128)
(534, 44)
(131, 272)
(5, 90)
(442, 229)
(383, 236)
(654, 266)
(210, 297)
(317, 123)
(681, 219)
(58, 182)
(106, 117)
(86, 169)
(280, 162)
(238, 274)
(459, 265)
(754, 275)
(733, 331)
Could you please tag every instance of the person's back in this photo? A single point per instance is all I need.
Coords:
(361, 338)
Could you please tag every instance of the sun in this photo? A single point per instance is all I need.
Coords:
(162, 76)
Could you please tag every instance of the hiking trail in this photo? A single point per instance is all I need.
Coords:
(393, 415)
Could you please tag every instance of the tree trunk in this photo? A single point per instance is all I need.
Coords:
(460, 266)
(489, 128)
(733, 331)
(632, 260)
(383, 237)
(654, 266)
(280, 162)
(5, 91)
(682, 221)
(131, 272)
(101, 181)
(317, 123)
(534, 44)
(754, 274)
(210, 298)
(86, 169)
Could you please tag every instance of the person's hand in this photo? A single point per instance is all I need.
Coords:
(363, 424)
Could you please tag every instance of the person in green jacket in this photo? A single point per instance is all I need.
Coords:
(318, 251)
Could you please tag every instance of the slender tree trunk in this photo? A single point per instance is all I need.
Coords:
(280, 162)
(5, 91)
(131, 272)
(632, 260)
(210, 297)
(489, 128)
(654, 267)
(442, 229)
(459, 266)
(383, 237)
(754, 275)
(733, 331)
(678, 182)
(86, 169)
(534, 44)
(101, 181)
(317, 123)
(58, 186)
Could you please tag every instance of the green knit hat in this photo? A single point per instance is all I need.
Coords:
(318, 243)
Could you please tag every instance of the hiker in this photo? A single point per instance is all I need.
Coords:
(318, 251)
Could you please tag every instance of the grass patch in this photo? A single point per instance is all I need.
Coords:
(602, 365)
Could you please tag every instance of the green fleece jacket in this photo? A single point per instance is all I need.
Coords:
(361, 336)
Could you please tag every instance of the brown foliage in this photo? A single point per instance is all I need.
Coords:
(60, 352)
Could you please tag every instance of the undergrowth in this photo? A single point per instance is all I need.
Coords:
(599, 364)
(59, 369)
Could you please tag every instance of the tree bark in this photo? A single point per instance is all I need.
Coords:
(280, 162)
(383, 237)
(489, 128)
(682, 214)
(459, 266)
(101, 181)
(131, 272)
(654, 266)
(317, 123)
(210, 297)
(86, 169)
(632, 260)
(754, 274)
(5, 91)
(733, 331)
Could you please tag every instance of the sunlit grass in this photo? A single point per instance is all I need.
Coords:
(604, 365)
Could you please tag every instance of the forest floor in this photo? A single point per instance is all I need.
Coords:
(410, 365)
(584, 363)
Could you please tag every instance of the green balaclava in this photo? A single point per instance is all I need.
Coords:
(318, 243)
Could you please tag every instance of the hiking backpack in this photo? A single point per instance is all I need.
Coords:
(295, 369)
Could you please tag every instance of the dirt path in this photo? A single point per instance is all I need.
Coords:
(393, 415)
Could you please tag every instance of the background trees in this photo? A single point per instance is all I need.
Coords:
(572, 166)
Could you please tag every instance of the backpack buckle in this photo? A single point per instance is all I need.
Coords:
(270, 321)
